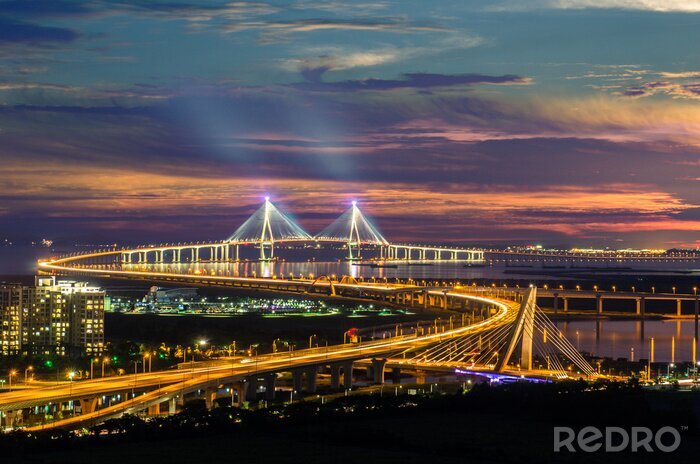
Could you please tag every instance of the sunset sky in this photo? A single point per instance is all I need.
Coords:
(560, 122)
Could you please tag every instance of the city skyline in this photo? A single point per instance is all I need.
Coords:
(560, 122)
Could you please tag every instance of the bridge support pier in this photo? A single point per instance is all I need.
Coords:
(251, 388)
(154, 409)
(347, 375)
(270, 381)
(311, 379)
(88, 405)
(335, 376)
(678, 307)
(378, 370)
(297, 381)
(395, 375)
(210, 397)
(172, 406)
(10, 417)
(598, 304)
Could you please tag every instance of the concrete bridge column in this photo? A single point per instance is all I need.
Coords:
(555, 303)
(426, 299)
(311, 379)
(599, 304)
(210, 396)
(10, 417)
(378, 370)
(251, 389)
(172, 406)
(270, 381)
(566, 304)
(297, 380)
(335, 376)
(642, 307)
(88, 405)
(154, 409)
(679, 303)
(638, 306)
(238, 393)
(347, 375)
(395, 375)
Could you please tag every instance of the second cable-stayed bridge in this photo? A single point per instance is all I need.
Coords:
(500, 337)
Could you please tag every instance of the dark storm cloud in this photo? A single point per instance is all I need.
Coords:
(409, 81)
(44, 8)
(12, 31)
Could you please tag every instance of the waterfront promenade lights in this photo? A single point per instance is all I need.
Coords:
(695, 291)
(26, 371)
(633, 289)
(578, 288)
(11, 374)
(674, 290)
(614, 289)
(653, 290)
(595, 288)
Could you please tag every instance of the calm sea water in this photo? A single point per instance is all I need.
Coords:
(618, 338)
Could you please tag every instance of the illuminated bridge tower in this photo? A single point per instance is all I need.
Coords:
(354, 229)
(266, 226)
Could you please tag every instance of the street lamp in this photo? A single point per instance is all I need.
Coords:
(71, 374)
(11, 374)
(29, 368)
(105, 360)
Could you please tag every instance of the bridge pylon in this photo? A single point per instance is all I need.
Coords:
(354, 229)
(267, 225)
(522, 330)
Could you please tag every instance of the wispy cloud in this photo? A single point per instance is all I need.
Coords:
(663, 6)
(413, 81)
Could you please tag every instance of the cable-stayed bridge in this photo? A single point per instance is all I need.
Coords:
(480, 338)
(269, 225)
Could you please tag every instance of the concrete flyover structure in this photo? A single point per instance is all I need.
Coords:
(561, 298)
(242, 376)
